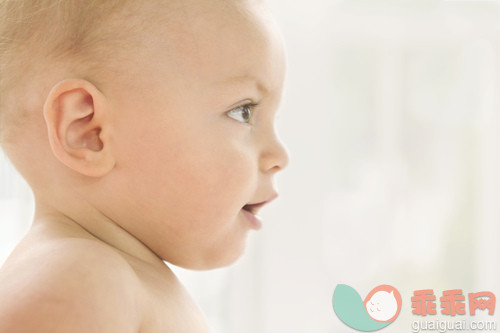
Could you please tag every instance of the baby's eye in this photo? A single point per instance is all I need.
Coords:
(242, 113)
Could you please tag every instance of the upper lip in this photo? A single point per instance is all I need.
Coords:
(255, 207)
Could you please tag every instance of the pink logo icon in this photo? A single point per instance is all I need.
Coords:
(383, 303)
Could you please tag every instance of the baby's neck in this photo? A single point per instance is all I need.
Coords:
(89, 223)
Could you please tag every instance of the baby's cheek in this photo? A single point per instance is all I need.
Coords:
(230, 177)
(217, 171)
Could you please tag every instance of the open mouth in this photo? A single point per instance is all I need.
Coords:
(250, 211)
(254, 208)
(250, 208)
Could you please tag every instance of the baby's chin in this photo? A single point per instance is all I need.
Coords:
(209, 259)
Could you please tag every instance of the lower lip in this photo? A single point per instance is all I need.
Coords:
(255, 222)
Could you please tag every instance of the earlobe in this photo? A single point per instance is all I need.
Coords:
(77, 119)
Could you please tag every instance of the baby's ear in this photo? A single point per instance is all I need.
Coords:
(77, 119)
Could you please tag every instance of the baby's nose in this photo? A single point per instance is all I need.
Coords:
(274, 157)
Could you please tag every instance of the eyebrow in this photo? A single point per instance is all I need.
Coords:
(244, 78)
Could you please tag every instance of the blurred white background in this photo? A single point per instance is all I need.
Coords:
(392, 120)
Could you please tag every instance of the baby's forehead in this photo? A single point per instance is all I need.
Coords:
(203, 37)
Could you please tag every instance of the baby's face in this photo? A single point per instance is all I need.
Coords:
(194, 132)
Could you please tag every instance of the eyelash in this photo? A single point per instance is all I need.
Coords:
(247, 108)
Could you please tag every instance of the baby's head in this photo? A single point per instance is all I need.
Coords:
(156, 116)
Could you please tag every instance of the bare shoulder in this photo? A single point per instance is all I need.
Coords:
(68, 285)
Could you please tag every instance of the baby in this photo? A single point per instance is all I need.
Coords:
(146, 132)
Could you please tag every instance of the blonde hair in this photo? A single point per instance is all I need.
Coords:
(83, 35)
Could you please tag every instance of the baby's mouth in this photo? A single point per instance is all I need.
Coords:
(253, 208)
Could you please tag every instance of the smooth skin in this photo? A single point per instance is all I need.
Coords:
(170, 165)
